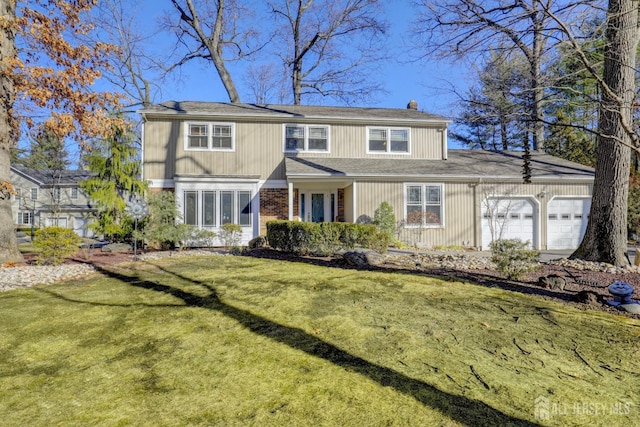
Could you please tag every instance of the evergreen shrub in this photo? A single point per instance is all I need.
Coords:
(513, 259)
(55, 244)
(324, 238)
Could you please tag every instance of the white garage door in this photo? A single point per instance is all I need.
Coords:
(80, 227)
(566, 222)
(508, 218)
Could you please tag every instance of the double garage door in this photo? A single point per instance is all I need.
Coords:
(517, 218)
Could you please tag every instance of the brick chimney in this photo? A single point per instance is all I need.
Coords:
(412, 105)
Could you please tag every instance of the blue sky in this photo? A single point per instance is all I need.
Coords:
(428, 83)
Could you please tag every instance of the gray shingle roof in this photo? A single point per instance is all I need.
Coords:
(460, 164)
(289, 111)
(44, 177)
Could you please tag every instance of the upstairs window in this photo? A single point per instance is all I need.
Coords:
(388, 140)
(34, 194)
(306, 138)
(18, 194)
(210, 136)
(56, 194)
(74, 193)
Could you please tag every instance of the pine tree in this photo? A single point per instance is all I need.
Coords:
(115, 169)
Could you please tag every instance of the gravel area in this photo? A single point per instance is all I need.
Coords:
(26, 275)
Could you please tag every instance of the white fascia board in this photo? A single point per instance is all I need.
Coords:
(160, 183)
(273, 183)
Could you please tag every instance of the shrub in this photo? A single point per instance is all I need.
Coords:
(385, 219)
(230, 235)
(194, 237)
(55, 244)
(324, 238)
(513, 259)
(257, 242)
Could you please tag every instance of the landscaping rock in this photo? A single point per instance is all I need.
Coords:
(117, 248)
(589, 297)
(363, 258)
(631, 308)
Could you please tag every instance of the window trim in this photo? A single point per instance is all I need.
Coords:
(74, 193)
(388, 151)
(34, 193)
(217, 207)
(21, 215)
(424, 203)
(306, 128)
(185, 215)
(210, 127)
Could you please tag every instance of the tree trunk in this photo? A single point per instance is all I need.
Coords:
(8, 245)
(605, 239)
(536, 81)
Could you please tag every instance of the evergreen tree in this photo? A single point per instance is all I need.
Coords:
(115, 169)
(493, 113)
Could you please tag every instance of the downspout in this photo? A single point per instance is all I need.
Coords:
(445, 153)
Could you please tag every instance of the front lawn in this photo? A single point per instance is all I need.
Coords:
(241, 341)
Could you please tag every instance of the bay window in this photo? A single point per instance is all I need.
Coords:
(217, 208)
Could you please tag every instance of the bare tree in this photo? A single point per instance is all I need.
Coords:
(266, 83)
(330, 46)
(459, 28)
(209, 30)
(132, 65)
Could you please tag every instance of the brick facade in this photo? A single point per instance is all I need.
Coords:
(340, 217)
(274, 205)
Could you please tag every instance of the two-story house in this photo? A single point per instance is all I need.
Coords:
(45, 198)
(248, 164)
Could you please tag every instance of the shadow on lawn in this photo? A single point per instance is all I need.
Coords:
(459, 408)
(486, 279)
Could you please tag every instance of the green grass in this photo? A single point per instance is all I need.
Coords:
(242, 341)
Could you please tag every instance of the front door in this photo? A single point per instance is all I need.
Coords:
(317, 206)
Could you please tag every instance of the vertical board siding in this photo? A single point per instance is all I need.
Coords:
(462, 204)
(160, 141)
(259, 149)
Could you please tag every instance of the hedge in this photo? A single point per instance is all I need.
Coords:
(324, 238)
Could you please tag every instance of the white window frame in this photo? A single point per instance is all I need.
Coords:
(388, 141)
(424, 203)
(18, 194)
(217, 203)
(74, 193)
(210, 127)
(305, 128)
(34, 193)
(21, 216)
(56, 195)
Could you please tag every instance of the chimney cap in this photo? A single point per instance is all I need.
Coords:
(412, 105)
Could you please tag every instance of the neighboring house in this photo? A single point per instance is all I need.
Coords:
(248, 164)
(47, 198)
